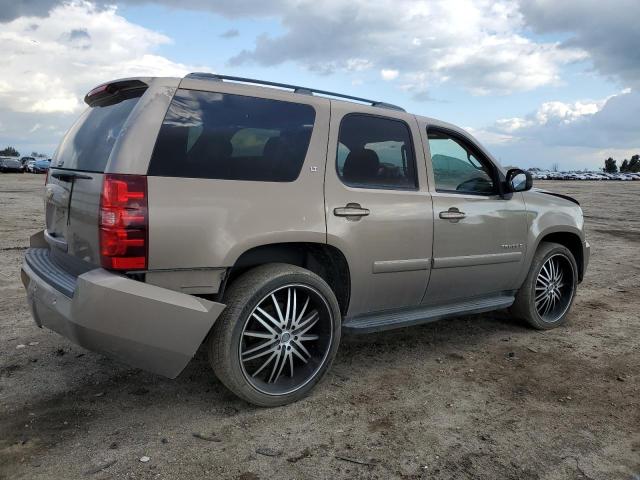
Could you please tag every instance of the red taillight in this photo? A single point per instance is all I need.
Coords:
(123, 222)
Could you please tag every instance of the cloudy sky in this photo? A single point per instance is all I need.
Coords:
(537, 81)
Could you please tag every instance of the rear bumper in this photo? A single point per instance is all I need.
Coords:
(148, 327)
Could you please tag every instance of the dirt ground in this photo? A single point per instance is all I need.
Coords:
(476, 397)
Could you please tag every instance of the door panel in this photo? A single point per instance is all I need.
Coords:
(479, 254)
(389, 247)
(479, 237)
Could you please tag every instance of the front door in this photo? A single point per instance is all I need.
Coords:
(378, 206)
(479, 236)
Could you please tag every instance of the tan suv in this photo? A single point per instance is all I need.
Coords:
(266, 221)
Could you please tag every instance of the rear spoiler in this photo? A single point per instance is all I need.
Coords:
(114, 92)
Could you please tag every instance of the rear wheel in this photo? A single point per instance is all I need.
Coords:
(277, 336)
(549, 289)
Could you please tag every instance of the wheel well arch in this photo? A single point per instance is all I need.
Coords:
(326, 261)
(573, 243)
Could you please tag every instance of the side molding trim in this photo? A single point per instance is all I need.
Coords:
(471, 260)
(411, 265)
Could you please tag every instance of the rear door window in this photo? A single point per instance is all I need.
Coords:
(88, 144)
(232, 137)
(376, 152)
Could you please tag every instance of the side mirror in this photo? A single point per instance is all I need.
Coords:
(519, 180)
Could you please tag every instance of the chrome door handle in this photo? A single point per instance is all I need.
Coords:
(351, 210)
(453, 214)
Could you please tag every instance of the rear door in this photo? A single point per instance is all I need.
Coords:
(378, 206)
(72, 193)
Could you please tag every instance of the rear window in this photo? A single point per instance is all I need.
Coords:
(89, 142)
(232, 137)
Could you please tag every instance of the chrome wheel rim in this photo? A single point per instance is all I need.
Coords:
(286, 339)
(554, 288)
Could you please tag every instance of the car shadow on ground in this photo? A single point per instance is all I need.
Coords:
(117, 390)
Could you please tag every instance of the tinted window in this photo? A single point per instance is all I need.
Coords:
(456, 168)
(376, 152)
(224, 136)
(89, 142)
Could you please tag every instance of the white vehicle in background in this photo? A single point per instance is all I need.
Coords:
(622, 177)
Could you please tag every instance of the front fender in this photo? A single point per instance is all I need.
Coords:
(548, 215)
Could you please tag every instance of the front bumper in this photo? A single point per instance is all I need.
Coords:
(146, 326)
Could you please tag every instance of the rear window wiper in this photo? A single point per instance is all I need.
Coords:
(70, 176)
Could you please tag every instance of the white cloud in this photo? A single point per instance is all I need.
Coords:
(476, 44)
(55, 60)
(574, 134)
(50, 63)
(480, 45)
(358, 64)
(488, 137)
(607, 30)
(556, 114)
(389, 74)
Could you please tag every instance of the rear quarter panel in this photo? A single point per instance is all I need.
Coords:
(132, 152)
(200, 223)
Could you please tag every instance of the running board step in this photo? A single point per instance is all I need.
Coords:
(407, 317)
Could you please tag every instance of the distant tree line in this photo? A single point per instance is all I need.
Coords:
(12, 152)
(627, 166)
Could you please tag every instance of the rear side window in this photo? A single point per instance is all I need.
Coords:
(88, 144)
(232, 137)
(376, 152)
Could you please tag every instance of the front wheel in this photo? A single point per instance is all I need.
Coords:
(548, 292)
(277, 336)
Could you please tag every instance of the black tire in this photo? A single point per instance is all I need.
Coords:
(227, 338)
(524, 306)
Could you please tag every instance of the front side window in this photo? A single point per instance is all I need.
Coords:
(376, 152)
(232, 137)
(456, 168)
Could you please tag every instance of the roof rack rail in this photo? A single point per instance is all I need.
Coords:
(295, 88)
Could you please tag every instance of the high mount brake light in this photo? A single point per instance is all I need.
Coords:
(100, 89)
(123, 222)
(114, 90)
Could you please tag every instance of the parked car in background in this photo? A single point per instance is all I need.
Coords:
(41, 166)
(29, 166)
(265, 222)
(10, 164)
(25, 160)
